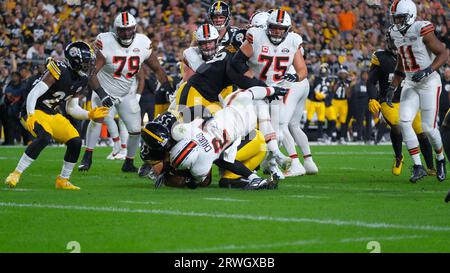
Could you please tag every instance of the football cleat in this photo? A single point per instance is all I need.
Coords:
(256, 184)
(441, 171)
(298, 170)
(418, 173)
(86, 162)
(128, 166)
(12, 179)
(398, 165)
(112, 156)
(64, 184)
(283, 161)
(310, 167)
(447, 198)
(431, 172)
(121, 155)
(275, 171)
(144, 170)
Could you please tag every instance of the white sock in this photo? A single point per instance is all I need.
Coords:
(123, 133)
(300, 138)
(67, 169)
(92, 134)
(133, 143)
(24, 162)
(440, 155)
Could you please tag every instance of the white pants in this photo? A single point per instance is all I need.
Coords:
(423, 96)
(128, 109)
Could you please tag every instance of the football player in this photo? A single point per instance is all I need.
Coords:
(341, 90)
(219, 15)
(445, 133)
(62, 83)
(197, 149)
(421, 54)
(119, 58)
(269, 53)
(381, 72)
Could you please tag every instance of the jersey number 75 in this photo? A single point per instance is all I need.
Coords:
(278, 67)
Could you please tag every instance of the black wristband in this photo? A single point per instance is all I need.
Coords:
(400, 73)
(101, 92)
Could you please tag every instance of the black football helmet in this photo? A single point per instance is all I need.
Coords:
(220, 8)
(80, 57)
(155, 135)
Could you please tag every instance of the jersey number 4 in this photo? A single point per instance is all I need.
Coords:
(278, 67)
(133, 66)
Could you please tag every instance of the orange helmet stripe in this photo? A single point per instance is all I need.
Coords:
(125, 18)
(394, 6)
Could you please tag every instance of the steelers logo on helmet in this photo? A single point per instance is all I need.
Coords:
(207, 37)
(80, 57)
(155, 135)
(403, 14)
(219, 15)
(278, 26)
(125, 28)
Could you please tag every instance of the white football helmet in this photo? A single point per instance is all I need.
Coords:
(125, 28)
(278, 19)
(184, 154)
(204, 35)
(403, 14)
(259, 20)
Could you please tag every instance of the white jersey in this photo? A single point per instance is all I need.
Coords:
(221, 134)
(413, 52)
(270, 62)
(118, 74)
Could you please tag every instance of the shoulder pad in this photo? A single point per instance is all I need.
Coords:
(374, 60)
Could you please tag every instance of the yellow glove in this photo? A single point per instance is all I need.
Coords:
(374, 106)
(320, 95)
(31, 119)
(98, 113)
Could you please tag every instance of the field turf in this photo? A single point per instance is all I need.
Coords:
(352, 201)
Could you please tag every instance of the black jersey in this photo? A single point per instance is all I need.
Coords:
(381, 72)
(67, 84)
(211, 77)
(228, 37)
(324, 85)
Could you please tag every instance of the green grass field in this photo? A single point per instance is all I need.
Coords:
(354, 200)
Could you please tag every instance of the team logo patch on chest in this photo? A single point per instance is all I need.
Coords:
(265, 49)
(285, 50)
(136, 50)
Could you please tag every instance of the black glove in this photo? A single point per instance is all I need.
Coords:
(280, 91)
(166, 88)
(160, 180)
(108, 101)
(190, 183)
(291, 77)
(389, 95)
(419, 75)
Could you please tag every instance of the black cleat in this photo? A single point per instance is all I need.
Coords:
(447, 198)
(144, 170)
(128, 166)
(418, 173)
(441, 171)
(256, 184)
(86, 162)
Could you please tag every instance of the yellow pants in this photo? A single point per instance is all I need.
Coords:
(330, 113)
(316, 107)
(188, 96)
(58, 126)
(161, 104)
(391, 115)
(341, 108)
(251, 153)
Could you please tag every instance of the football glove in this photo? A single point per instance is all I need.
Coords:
(374, 106)
(291, 77)
(421, 74)
(167, 89)
(160, 180)
(98, 113)
(320, 96)
(108, 101)
(389, 95)
(280, 91)
(31, 119)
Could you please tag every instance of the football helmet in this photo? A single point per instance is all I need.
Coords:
(403, 14)
(219, 8)
(80, 57)
(207, 37)
(184, 154)
(259, 20)
(155, 135)
(125, 28)
(278, 26)
(324, 70)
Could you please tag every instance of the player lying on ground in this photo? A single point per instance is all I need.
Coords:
(62, 83)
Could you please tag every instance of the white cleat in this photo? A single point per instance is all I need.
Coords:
(310, 167)
(112, 155)
(121, 155)
(295, 171)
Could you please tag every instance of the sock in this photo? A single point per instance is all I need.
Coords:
(396, 139)
(426, 150)
(24, 162)
(439, 155)
(445, 135)
(415, 155)
(123, 134)
(92, 134)
(67, 169)
(307, 157)
(116, 142)
(300, 138)
(133, 143)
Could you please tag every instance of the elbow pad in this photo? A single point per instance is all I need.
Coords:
(240, 62)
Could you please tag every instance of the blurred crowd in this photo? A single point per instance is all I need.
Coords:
(337, 32)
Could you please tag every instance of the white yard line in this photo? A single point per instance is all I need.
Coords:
(333, 222)
(225, 199)
(309, 196)
(140, 202)
(297, 243)
(17, 189)
(377, 190)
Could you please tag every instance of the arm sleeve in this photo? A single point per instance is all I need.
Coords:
(372, 82)
(73, 108)
(38, 90)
